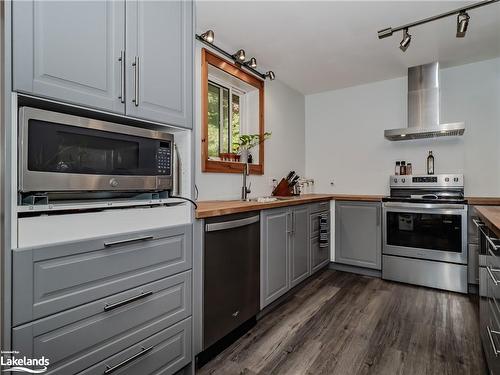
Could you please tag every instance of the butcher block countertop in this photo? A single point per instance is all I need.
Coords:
(221, 207)
(483, 201)
(490, 215)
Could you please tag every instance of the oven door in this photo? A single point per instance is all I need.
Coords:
(60, 152)
(425, 231)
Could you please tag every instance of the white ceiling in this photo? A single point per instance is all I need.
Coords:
(319, 46)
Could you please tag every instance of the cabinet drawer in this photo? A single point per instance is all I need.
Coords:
(320, 256)
(50, 279)
(166, 352)
(314, 224)
(79, 337)
(321, 206)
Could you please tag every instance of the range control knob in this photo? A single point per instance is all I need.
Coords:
(455, 179)
(113, 182)
(447, 179)
(403, 180)
(395, 180)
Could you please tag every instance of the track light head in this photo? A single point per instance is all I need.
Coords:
(252, 63)
(271, 75)
(239, 56)
(405, 42)
(462, 24)
(208, 36)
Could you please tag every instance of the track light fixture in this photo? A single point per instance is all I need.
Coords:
(252, 63)
(405, 42)
(271, 75)
(208, 36)
(462, 24)
(239, 56)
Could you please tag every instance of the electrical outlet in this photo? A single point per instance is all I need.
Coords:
(272, 182)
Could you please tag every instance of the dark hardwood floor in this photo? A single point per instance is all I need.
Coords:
(341, 323)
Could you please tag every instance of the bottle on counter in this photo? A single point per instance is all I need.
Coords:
(408, 168)
(430, 163)
(397, 169)
(402, 169)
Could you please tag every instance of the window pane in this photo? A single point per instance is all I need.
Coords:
(235, 123)
(213, 120)
(225, 121)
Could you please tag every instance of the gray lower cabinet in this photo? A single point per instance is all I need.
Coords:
(290, 252)
(299, 245)
(53, 278)
(358, 234)
(115, 304)
(70, 51)
(87, 334)
(275, 237)
(160, 61)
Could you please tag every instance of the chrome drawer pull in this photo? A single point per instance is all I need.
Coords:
(143, 351)
(478, 223)
(490, 272)
(130, 240)
(126, 301)
(488, 238)
(490, 332)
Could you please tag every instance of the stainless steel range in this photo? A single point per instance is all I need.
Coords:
(425, 231)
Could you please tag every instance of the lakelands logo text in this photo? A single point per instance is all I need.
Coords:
(12, 363)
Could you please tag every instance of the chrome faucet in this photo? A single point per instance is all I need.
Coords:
(244, 189)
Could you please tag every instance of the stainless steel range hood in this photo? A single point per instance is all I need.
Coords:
(423, 107)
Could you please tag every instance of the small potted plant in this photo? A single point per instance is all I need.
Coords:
(248, 141)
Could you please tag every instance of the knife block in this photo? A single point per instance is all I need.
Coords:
(282, 189)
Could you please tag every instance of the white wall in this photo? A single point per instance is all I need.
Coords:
(345, 133)
(284, 110)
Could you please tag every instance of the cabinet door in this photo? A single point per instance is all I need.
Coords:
(358, 234)
(160, 61)
(299, 245)
(275, 237)
(70, 51)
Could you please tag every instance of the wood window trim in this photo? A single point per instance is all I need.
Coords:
(216, 166)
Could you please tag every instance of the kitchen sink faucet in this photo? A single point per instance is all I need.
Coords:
(244, 189)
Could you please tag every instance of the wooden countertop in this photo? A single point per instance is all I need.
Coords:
(491, 217)
(219, 208)
(483, 201)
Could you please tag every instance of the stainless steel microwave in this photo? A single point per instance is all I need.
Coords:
(60, 152)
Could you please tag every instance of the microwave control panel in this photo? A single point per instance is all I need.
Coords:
(164, 158)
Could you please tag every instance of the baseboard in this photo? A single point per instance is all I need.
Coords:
(353, 269)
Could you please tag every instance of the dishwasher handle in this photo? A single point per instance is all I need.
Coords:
(213, 227)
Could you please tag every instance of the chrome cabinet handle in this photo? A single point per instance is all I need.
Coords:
(290, 215)
(127, 301)
(490, 335)
(490, 272)
(135, 64)
(129, 240)
(143, 351)
(378, 215)
(488, 238)
(478, 223)
(122, 76)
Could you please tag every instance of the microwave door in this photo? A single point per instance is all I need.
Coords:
(66, 153)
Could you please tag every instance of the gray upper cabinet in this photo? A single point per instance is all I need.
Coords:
(299, 245)
(358, 234)
(70, 51)
(160, 61)
(275, 233)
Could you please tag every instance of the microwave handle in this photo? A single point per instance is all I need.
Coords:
(176, 171)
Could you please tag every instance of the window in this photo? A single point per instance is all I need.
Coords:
(232, 106)
(224, 120)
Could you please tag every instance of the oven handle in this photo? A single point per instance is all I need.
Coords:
(436, 206)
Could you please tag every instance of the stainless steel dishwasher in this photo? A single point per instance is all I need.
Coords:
(231, 274)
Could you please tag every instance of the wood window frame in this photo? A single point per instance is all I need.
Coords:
(217, 166)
